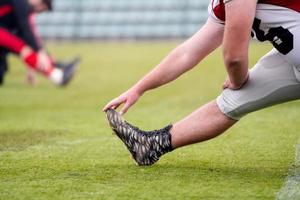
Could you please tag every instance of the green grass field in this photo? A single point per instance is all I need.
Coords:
(55, 143)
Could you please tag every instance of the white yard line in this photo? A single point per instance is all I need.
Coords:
(291, 188)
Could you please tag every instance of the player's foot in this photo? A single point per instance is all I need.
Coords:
(64, 72)
(146, 147)
(63, 64)
(69, 71)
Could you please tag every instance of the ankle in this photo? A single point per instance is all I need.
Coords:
(56, 76)
(165, 139)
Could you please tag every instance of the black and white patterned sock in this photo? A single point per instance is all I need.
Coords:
(146, 147)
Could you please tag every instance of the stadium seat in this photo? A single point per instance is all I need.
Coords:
(123, 19)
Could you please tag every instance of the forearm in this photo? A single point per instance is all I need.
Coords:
(236, 57)
(174, 65)
(236, 60)
(184, 57)
(237, 72)
(236, 39)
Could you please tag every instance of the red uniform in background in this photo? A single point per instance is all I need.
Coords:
(17, 30)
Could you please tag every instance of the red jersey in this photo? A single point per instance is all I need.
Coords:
(218, 6)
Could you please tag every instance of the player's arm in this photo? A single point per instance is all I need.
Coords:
(184, 57)
(239, 19)
(22, 13)
(27, 32)
(180, 60)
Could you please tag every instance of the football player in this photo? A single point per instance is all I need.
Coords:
(17, 36)
(273, 80)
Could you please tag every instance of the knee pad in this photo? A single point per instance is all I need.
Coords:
(238, 103)
(229, 105)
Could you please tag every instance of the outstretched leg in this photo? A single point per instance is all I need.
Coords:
(146, 147)
(272, 81)
(204, 124)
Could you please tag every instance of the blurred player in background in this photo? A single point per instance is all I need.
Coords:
(18, 36)
(273, 80)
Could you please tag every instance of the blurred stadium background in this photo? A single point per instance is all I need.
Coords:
(123, 19)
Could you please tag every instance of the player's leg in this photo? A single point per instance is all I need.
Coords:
(147, 147)
(272, 81)
(294, 56)
(3, 66)
(205, 123)
(18, 46)
(30, 57)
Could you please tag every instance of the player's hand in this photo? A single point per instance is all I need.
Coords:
(128, 99)
(228, 84)
(44, 61)
(30, 77)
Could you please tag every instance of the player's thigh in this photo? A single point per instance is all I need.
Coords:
(294, 56)
(272, 81)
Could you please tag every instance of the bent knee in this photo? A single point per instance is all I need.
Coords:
(229, 106)
(238, 103)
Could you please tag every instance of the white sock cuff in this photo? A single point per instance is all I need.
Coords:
(56, 76)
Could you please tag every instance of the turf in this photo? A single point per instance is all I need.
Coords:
(291, 188)
(55, 142)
